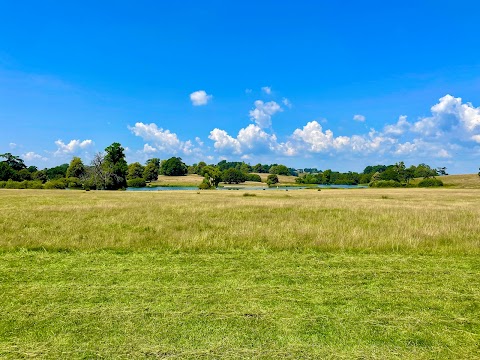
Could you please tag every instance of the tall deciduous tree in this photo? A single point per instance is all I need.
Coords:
(152, 169)
(213, 176)
(233, 176)
(76, 168)
(13, 161)
(173, 167)
(116, 167)
(135, 171)
(6, 171)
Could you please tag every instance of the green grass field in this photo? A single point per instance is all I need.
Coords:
(340, 274)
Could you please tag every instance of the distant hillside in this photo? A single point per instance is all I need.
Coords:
(465, 181)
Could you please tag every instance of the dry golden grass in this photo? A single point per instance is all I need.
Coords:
(190, 180)
(465, 181)
(363, 219)
(283, 179)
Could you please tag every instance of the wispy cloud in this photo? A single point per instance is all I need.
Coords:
(267, 90)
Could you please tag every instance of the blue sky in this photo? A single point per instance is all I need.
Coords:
(338, 85)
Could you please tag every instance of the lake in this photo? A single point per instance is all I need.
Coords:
(284, 188)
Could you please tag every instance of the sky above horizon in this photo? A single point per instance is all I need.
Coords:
(331, 85)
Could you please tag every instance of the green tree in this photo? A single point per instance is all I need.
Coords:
(390, 173)
(257, 168)
(116, 167)
(245, 168)
(135, 171)
(410, 173)
(327, 176)
(212, 175)
(173, 167)
(76, 168)
(199, 169)
(40, 175)
(279, 170)
(57, 172)
(233, 176)
(13, 161)
(400, 168)
(155, 162)
(152, 169)
(6, 171)
(150, 173)
(272, 179)
(425, 171)
(373, 169)
(24, 174)
(375, 177)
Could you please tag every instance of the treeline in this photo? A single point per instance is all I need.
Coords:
(110, 171)
(376, 176)
(223, 165)
(107, 171)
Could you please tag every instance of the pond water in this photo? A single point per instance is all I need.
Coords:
(284, 188)
(343, 186)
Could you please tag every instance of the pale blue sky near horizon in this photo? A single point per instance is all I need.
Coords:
(308, 84)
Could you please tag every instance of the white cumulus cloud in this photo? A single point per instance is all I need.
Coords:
(199, 98)
(476, 138)
(312, 137)
(32, 156)
(399, 128)
(74, 146)
(164, 141)
(223, 142)
(263, 112)
(251, 139)
(147, 149)
(449, 115)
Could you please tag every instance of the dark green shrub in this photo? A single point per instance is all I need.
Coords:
(384, 184)
(253, 177)
(34, 185)
(233, 176)
(430, 182)
(205, 185)
(345, 182)
(55, 184)
(74, 183)
(10, 184)
(137, 182)
(272, 179)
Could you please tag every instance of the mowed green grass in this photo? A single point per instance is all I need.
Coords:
(347, 274)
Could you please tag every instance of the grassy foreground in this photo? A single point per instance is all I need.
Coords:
(300, 274)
